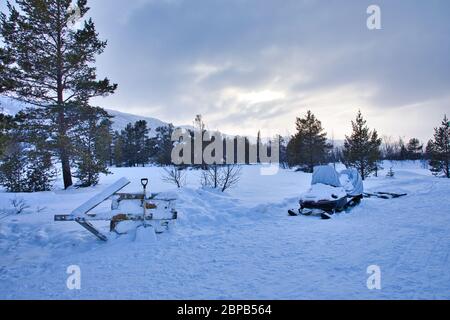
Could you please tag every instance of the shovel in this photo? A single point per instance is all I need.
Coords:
(144, 182)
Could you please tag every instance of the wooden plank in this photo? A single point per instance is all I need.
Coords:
(64, 217)
(89, 227)
(99, 198)
(133, 217)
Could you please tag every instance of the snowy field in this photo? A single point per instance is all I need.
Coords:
(237, 245)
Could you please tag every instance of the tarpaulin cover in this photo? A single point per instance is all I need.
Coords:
(325, 175)
(353, 183)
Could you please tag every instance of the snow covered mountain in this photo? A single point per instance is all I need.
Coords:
(120, 120)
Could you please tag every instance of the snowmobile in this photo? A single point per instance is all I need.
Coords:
(330, 192)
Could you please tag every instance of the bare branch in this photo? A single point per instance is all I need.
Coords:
(231, 176)
(175, 175)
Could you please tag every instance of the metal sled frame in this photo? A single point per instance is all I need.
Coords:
(81, 214)
(384, 195)
(326, 208)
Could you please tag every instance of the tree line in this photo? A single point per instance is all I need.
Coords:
(363, 149)
(28, 148)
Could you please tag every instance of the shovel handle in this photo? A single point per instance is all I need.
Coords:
(144, 182)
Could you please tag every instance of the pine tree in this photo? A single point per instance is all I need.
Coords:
(403, 153)
(283, 151)
(163, 145)
(375, 153)
(118, 145)
(429, 150)
(53, 63)
(140, 141)
(258, 143)
(3, 87)
(5, 61)
(439, 150)
(87, 135)
(129, 146)
(308, 147)
(414, 149)
(104, 141)
(128, 152)
(132, 146)
(12, 167)
(26, 164)
(362, 148)
(40, 171)
(6, 123)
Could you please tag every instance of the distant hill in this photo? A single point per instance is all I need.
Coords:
(120, 121)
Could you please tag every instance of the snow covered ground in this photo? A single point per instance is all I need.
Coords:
(237, 245)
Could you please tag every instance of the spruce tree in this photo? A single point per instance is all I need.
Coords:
(439, 150)
(308, 147)
(362, 148)
(53, 63)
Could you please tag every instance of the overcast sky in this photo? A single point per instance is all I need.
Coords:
(258, 64)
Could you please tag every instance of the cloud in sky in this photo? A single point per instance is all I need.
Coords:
(251, 64)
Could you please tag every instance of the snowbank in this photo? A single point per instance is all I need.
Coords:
(237, 245)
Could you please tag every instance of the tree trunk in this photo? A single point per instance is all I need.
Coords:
(63, 152)
(447, 167)
(67, 175)
(63, 143)
(447, 162)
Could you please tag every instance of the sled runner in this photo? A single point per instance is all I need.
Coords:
(136, 209)
(330, 192)
(384, 195)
